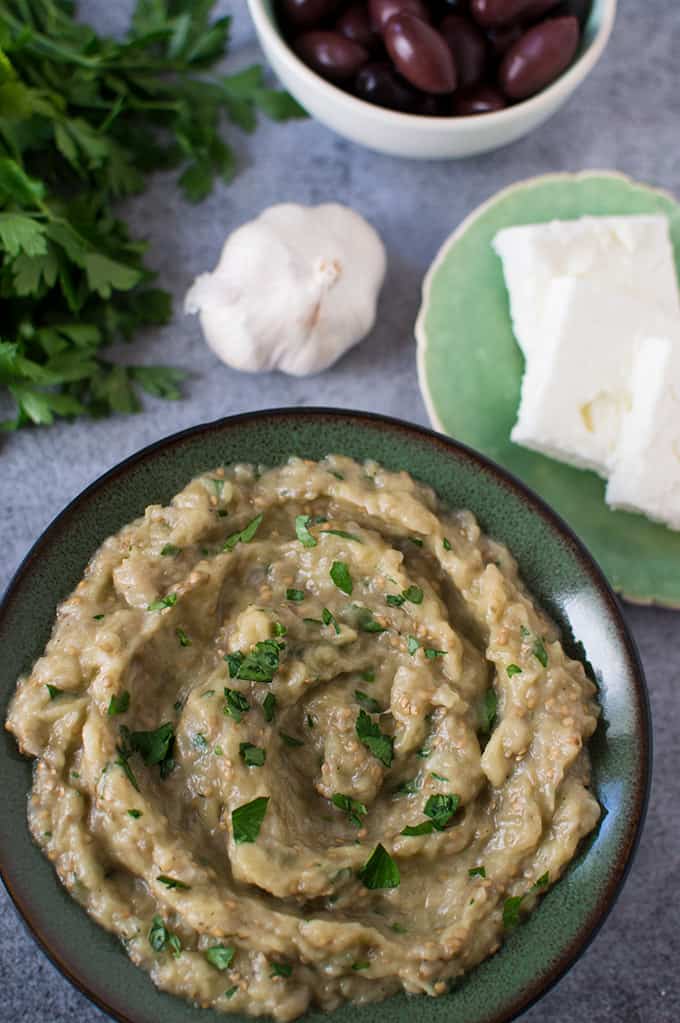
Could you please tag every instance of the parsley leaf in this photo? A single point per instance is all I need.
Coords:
(170, 551)
(440, 809)
(367, 623)
(295, 595)
(220, 956)
(159, 605)
(302, 523)
(489, 709)
(237, 705)
(446, 544)
(379, 744)
(245, 535)
(412, 645)
(540, 653)
(477, 872)
(246, 820)
(260, 665)
(54, 691)
(354, 810)
(269, 707)
(252, 756)
(119, 704)
(380, 870)
(341, 577)
(513, 669)
(155, 747)
(281, 970)
(329, 619)
(182, 637)
(172, 882)
(342, 533)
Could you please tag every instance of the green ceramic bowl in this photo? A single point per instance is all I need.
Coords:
(556, 567)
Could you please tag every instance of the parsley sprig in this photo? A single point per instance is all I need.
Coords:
(86, 120)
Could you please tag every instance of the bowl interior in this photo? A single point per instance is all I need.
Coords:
(554, 565)
(599, 21)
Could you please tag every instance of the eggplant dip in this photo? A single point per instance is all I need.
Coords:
(303, 737)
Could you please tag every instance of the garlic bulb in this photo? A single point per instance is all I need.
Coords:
(294, 289)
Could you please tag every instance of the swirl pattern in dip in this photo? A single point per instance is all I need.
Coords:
(303, 737)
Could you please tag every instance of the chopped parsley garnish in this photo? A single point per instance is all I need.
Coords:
(488, 711)
(431, 653)
(218, 751)
(244, 535)
(413, 594)
(446, 544)
(440, 809)
(281, 970)
(302, 523)
(169, 600)
(416, 540)
(172, 882)
(342, 533)
(182, 637)
(251, 755)
(296, 595)
(540, 653)
(513, 669)
(97, 618)
(246, 820)
(524, 631)
(367, 702)
(368, 676)
(408, 788)
(511, 909)
(136, 814)
(423, 753)
(231, 991)
(269, 707)
(512, 905)
(160, 938)
(477, 872)
(438, 777)
(124, 751)
(329, 619)
(236, 705)
(290, 740)
(380, 870)
(340, 575)
(412, 645)
(220, 956)
(279, 629)
(367, 623)
(54, 691)
(361, 964)
(217, 485)
(398, 928)
(379, 744)
(354, 810)
(170, 551)
(155, 747)
(260, 665)
(199, 741)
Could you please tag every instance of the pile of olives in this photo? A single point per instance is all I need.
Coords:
(443, 57)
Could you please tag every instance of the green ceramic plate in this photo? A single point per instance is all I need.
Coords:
(554, 564)
(470, 370)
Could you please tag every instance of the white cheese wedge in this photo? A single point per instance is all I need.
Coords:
(577, 389)
(646, 471)
(629, 255)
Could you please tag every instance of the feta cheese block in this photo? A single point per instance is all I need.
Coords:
(629, 255)
(646, 471)
(577, 389)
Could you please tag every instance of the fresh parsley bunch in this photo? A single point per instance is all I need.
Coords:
(84, 119)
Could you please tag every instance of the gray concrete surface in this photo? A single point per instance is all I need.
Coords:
(627, 116)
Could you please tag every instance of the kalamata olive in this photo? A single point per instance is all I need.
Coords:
(381, 11)
(379, 83)
(539, 57)
(490, 13)
(469, 48)
(478, 99)
(305, 13)
(355, 24)
(503, 37)
(330, 54)
(420, 54)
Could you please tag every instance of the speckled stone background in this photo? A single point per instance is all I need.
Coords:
(627, 117)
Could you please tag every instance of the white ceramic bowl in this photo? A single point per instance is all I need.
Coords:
(411, 135)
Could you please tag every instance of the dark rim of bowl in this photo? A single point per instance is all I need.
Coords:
(620, 868)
